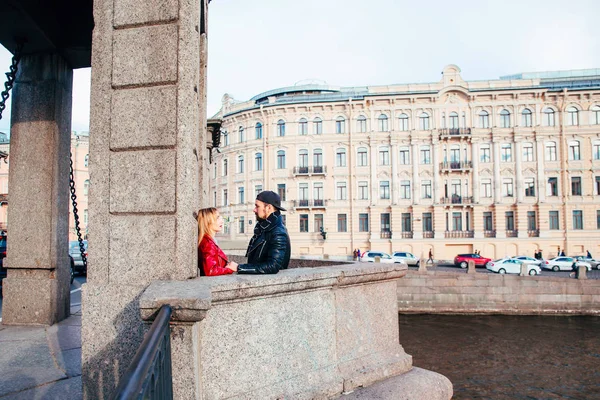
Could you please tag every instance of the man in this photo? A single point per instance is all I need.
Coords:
(430, 256)
(589, 255)
(269, 249)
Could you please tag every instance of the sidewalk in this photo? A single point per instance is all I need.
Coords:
(42, 362)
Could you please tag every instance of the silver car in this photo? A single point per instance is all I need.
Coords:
(406, 258)
(75, 253)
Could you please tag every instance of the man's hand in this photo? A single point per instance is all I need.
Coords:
(232, 265)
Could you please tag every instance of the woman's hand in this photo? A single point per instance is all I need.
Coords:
(232, 265)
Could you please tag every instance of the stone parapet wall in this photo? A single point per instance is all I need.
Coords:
(449, 292)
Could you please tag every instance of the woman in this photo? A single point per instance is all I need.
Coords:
(211, 259)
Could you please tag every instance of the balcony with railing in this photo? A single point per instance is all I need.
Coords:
(448, 166)
(314, 170)
(454, 132)
(407, 234)
(533, 233)
(385, 234)
(489, 234)
(428, 234)
(456, 199)
(316, 203)
(512, 233)
(458, 234)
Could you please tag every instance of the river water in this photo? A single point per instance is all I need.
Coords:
(508, 357)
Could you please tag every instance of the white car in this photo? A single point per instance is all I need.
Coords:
(564, 264)
(369, 256)
(511, 266)
(406, 258)
(528, 260)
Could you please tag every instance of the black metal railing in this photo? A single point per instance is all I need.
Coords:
(458, 234)
(489, 234)
(455, 199)
(149, 375)
(456, 165)
(300, 170)
(533, 233)
(309, 203)
(385, 234)
(407, 235)
(315, 170)
(454, 131)
(428, 234)
(512, 233)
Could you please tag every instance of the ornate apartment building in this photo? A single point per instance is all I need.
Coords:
(504, 166)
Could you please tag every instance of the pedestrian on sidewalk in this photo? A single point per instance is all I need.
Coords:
(430, 257)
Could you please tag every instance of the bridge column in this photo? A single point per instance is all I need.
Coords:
(36, 290)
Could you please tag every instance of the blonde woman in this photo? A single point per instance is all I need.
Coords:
(211, 259)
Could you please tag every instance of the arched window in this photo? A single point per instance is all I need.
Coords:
(549, 117)
(281, 128)
(340, 125)
(528, 152)
(361, 124)
(225, 165)
(303, 126)
(86, 160)
(484, 119)
(574, 150)
(595, 115)
(340, 157)
(596, 150)
(86, 186)
(242, 138)
(303, 158)
(572, 116)
(453, 120)
(280, 159)
(258, 162)
(403, 122)
(318, 160)
(383, 123)
(551, 151)
(258, 130)
(240, 165)
(424, 122)
(504, 119)
(526, 118)
(362, 159)
(317, 126)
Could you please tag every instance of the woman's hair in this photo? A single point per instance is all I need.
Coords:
(206, 217)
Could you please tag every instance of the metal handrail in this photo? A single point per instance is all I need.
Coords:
(149, 375)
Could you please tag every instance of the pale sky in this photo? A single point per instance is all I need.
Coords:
(255, 46)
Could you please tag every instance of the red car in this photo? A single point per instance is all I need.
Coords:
(462, 260)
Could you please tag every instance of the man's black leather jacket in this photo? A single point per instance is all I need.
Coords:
(269, 251)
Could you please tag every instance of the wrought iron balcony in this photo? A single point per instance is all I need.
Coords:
(489, 234)
(456, 165)
(533, 233)
(458, 234)
(300, 170)
(428, 234)
(456, 199)
(385, 234)
(314, 170)
(512, 233)
(407, 235)
(317, 203)
(445, 132)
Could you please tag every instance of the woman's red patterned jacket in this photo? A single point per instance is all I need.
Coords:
(211, 259)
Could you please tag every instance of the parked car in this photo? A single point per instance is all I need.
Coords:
(462, 260)
(564, 264)
(528, 260)
(75, 252)
(369, 256)
(511, 266)
(593, 262)
(406, 258)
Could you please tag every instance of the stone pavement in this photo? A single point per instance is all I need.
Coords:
(42, 362)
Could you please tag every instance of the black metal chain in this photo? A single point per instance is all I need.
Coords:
(75, 215)
(10, 77)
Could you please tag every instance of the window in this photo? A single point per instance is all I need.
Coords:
(341, 193)
(427, 222)
(507, 187)
(318, 126)
(340, 158)
(280, 159)
(577, 219)
(281, 128)
(531, 221)
(453, 120)
(597, 219)
(340, 125)
(486, 188)
(363, 190)
(318, 222)
(362, 160)
(424, 122)
(425, 189)
(403, 122)
(530, 187)
(488, 221)
(384, 156)
(596, 150)
(225, 198)
(341, 223)
(506, 152)
(405, 189)
(572, 116)
(576, 186)
(598, 185)
(404, 156)
(85, 216)
(552, 186)
(509, 218)
(86, 160)
(425, 155)
(303, 130)
(303, 222)
(240, 165)
(383, 123)
(553, 220)
(303, 158)
(318, 158)
(86, 186)
(551, 151)
(303, 194)
(504, 119)
(258, 131)
(225, 138)
(526, 117)
(406, 222)
(574, 151)
(258, 164)
(257, 190)
(361, 124)
(241, 196)
(385, 222)
(384, 190)
(527, 151)
(215, 198)
(595, 115)
(456, 221)
(363, 222)
(242, 135)
(455, 153)
(318, 193)
(549, 117)
(484, 119)
(225, 167)
(281, 190)
(484, 153)
(242, 224)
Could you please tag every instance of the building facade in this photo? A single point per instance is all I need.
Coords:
(504, 166)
